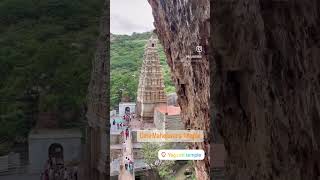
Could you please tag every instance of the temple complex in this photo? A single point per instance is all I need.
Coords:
(151, 85)
(154, 109)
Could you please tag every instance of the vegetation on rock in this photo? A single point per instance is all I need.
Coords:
(46, 49)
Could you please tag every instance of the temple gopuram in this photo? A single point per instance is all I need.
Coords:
(151, 84)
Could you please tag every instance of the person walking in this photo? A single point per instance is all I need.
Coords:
(127, 134)
(114, 122)
(126, 166)
(118, 126)
(126, 163)
(131, 165)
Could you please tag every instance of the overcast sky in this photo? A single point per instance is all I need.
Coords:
(128, 16)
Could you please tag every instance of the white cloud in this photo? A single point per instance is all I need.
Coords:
(128, 16)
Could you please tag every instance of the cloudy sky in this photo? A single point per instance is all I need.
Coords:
(128, 16)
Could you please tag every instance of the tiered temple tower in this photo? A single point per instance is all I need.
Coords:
(151, 85)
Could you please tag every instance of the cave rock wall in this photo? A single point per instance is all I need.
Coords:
(182, 26)
(266, 86)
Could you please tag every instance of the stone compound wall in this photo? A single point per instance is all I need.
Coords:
(115, 139)
(147, 111)
(173, 122)
(158, 119)
(114, 154)
(266, 74)
(134, 136)
(182, 26)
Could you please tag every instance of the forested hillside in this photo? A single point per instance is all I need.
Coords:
(46, 48)
(126, 60)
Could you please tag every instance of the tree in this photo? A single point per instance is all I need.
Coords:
(160, 169)
(49, 45)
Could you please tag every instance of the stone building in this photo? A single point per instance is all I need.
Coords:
(128, 107)
(151, 85)
(168, 117)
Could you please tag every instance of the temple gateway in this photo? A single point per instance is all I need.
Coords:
(151, 85)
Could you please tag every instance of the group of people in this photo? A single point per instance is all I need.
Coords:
(119, 125)
(57, 171)
(128, 165)
(127, 118)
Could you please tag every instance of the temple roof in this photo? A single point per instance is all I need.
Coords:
(171, 110)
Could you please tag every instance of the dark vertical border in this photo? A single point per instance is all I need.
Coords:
(107, 44)
(98, 130)
(210, 56)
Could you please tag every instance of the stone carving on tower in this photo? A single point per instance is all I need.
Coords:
(151, 84)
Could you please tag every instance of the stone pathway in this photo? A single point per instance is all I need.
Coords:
(127, 152)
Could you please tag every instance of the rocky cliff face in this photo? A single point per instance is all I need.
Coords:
(266, 84)
(97, 152)
(181, 26)
(265, 74)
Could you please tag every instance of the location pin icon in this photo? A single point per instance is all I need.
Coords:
(163, 154)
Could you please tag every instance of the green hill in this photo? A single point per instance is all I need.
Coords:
(126, 59)
(46, 49)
